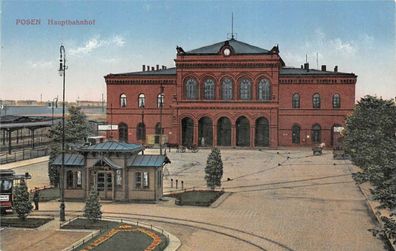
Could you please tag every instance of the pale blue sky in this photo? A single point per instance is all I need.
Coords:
(359, 37)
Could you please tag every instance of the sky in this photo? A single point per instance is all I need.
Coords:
(359, 37)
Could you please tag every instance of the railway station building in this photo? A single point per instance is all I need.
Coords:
(230, 94)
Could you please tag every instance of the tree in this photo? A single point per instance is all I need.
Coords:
(92, 206)
(214, 169)
(77, 130)
(22, 204)
(370, 140)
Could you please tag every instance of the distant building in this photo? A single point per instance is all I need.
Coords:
(119, 171)
(231, 94)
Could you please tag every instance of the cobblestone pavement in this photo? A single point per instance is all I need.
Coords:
(285, 201)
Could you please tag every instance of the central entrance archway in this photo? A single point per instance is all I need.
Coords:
(242, 131)
(187, 131)
(223, 132)
(205, 132)
(262, 132)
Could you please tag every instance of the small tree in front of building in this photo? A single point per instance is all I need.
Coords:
(21, 202)
(92, 206)
(214, 169)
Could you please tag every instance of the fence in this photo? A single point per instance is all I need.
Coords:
(23, 155)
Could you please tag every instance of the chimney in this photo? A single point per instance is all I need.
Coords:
(306, 66)
(302, 67)
(336, 68)
(152, 68)
(163, 67)
(324, 67)
(157, 67)
(143, 68)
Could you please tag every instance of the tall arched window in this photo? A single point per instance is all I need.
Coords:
(226, 89)
(264, 90)
(191, 89)
(123, 100)
(123, 132)
(316, 133)
(316, 100)
(160, 100)
(245, 89)
(209, 89)
(141, 131)
(336, 101)
(296, 100)
(142, 100)
(69, 179)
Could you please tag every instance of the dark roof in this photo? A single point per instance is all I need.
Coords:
(299, 71)
(238, 46)
(70, 160)
(112, 146)
(147, 161)
(169, 71)
(107, 161)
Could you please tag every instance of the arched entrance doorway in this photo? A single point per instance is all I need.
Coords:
(157, 133)
(262, 132)
(336, 136)
(187, 131)
(296, 134)
(242, 132)
(316, 134)
(123, 132)
(223, 132)
(205, 132)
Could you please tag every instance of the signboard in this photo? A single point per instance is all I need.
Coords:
(107, 127)
(4, 197)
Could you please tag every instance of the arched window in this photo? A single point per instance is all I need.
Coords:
(336, 101)
(316, 100)
(209, 89)
(296, 134)
(316, 133)
(245, 89)
(142, 100)
(264, 90)
(69, 179)
(123, 132)
(296, 100)
(191, 89)
(160, 100)
(123, 100)
(226, 89)
(141, 131)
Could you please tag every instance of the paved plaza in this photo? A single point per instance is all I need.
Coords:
(275, 200)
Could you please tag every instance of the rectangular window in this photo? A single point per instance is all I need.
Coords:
(138, 180)
(79, 179)
(109, 181)
(118, 178)
(145, 180)
(100, 181)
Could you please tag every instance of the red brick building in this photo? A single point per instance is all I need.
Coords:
(230, 94)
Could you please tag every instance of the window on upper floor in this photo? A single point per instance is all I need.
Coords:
(226, 89)
(160, 100)
(245, 89)
(123, 100)
(296, 100)
(209, 89)
(141, 100)
(191, 89)
(336, 101)
(264, 89)
(316, 101)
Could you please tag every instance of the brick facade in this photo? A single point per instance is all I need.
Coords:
(196, 103)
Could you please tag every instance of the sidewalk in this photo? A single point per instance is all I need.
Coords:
(24, 163)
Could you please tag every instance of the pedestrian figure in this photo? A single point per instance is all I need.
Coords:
(36, 198)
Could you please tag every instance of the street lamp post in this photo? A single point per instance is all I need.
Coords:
(161, 106)
(62, 72)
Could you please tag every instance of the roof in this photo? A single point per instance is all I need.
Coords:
(109, 162)
(147, 161)
(238, 46)
(112, 146)
(299, 71)
(70, 160)
(161, 72)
